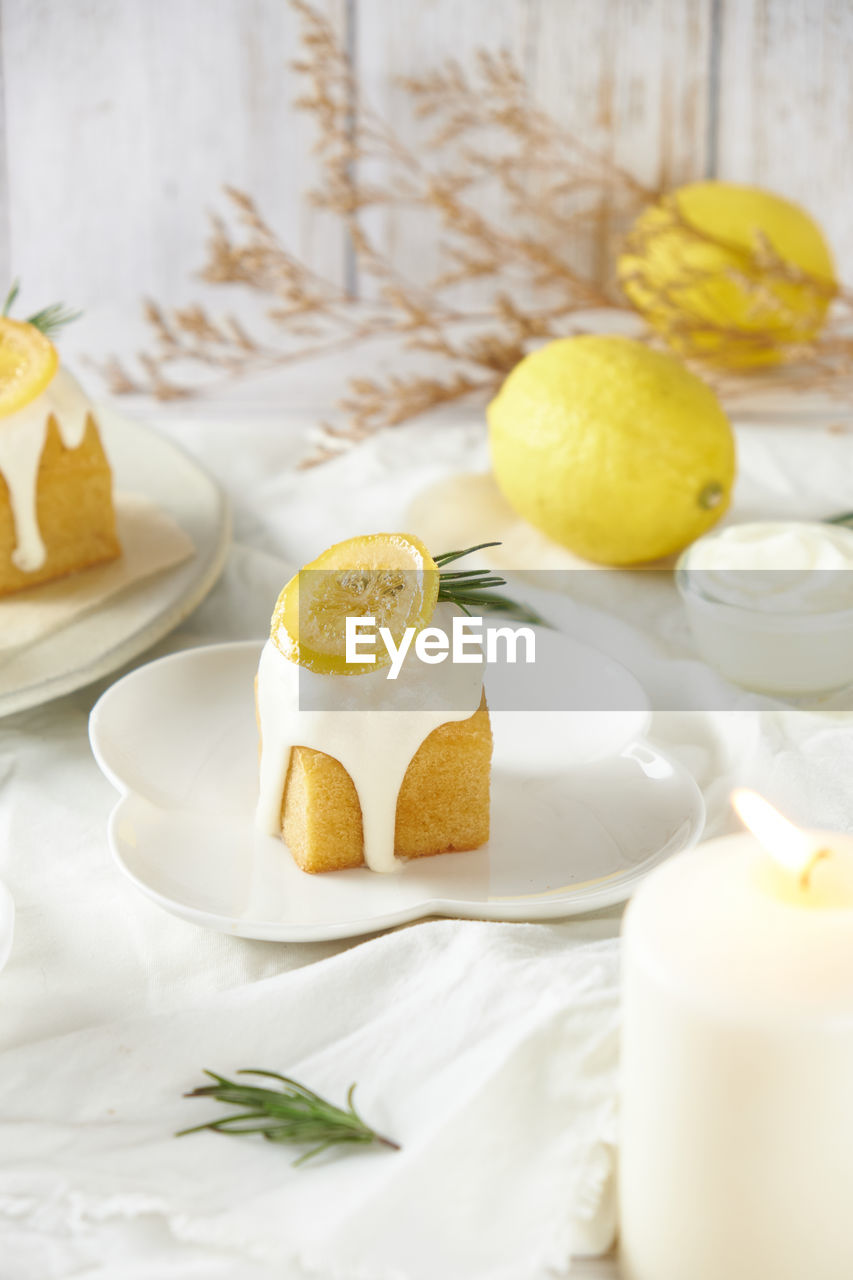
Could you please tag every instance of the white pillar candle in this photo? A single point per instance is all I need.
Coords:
(736, 1158)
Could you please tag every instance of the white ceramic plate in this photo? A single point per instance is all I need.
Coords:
(147, 463)
(178, 739)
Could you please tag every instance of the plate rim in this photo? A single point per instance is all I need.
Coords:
(512, 910)
(515, 908)
(57, 686)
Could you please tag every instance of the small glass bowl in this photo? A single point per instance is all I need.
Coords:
(768, 644)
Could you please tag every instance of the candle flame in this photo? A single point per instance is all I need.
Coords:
(793, 849)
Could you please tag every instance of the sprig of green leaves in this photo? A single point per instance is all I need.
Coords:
(50, 320)
(475, 587)
(291, 1113)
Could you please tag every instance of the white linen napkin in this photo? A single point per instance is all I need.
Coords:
(487, 1050)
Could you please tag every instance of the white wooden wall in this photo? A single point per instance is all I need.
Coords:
(123, 118)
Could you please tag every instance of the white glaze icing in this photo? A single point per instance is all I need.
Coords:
(22, 437)
(372, 725)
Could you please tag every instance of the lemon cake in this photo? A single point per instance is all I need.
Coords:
(357, 769)
(442, 804)
(56, 504)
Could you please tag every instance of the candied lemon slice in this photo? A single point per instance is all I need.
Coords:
(28, 361)
(390, 577)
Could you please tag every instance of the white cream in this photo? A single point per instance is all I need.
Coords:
(771, 604)
(372, 725)
(22, 439)
(789, 567)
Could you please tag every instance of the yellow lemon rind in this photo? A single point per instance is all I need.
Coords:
(28, 363)
(370, 553)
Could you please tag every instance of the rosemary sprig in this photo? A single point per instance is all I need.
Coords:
(475, 587)
(846, 518)
(49, 320)
(291, 1113)
(11, 296)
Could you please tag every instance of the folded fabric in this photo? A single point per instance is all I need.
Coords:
(488, 1051)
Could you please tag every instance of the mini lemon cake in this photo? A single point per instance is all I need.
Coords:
(356, 769)
(442, 805)
(56, 504)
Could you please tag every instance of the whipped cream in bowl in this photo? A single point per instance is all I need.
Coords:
(770, 604)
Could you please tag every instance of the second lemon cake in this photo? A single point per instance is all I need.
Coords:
(56, 503)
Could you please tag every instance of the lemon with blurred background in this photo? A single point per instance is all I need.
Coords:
(731, 273)
(614, 450)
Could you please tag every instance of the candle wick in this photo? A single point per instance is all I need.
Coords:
(806, 876)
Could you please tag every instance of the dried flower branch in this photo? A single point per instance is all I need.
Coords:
(479, 126)
(510, 191)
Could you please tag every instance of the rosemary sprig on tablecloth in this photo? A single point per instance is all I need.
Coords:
(49, 320)
(475, 587)
(846, 518)
(290, 1113)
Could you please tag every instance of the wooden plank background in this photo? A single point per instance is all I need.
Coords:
(123, 118)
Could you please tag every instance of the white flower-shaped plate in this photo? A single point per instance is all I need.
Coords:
(178, 739)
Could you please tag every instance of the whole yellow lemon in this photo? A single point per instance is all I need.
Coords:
(615, 451)
(732, 273)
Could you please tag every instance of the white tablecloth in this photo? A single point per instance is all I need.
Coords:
(89, 950)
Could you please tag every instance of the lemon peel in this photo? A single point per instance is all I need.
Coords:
(28, 361)
(387, 576)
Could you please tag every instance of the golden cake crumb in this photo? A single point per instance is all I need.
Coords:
(443, 805)
(75, 511)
